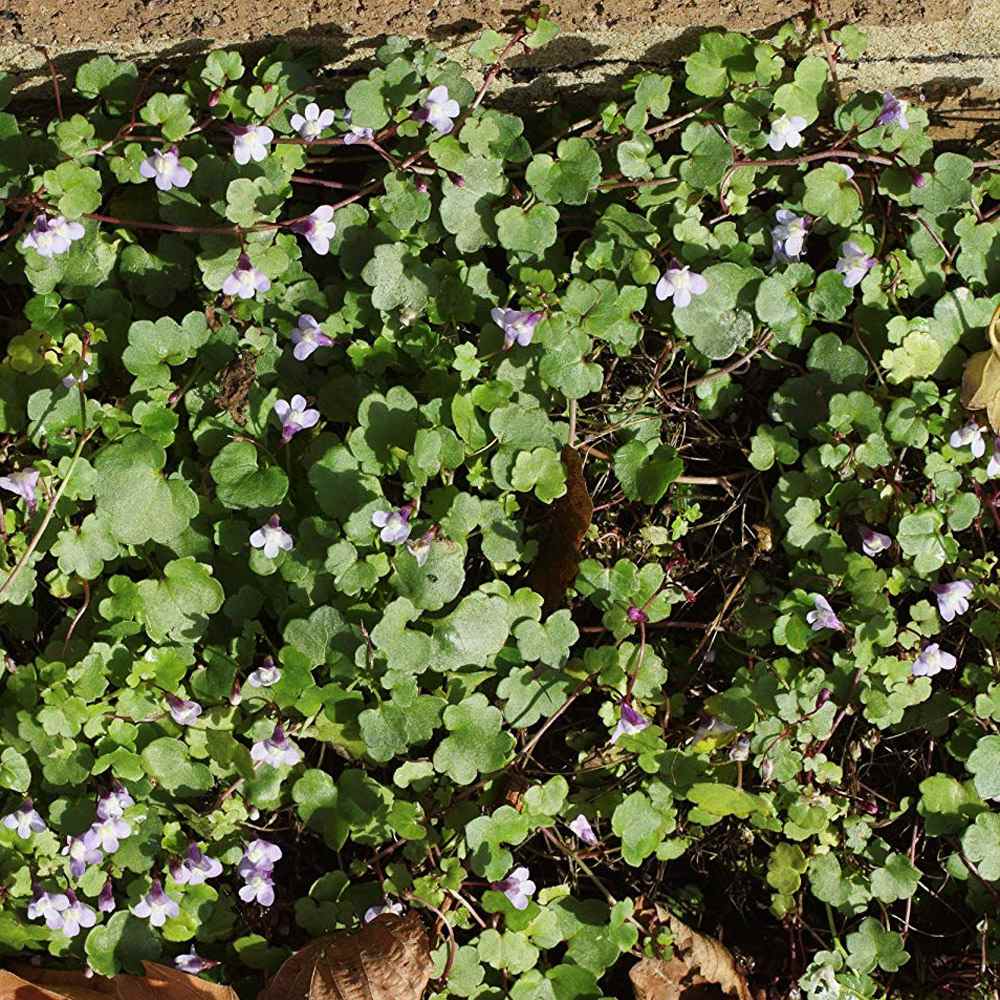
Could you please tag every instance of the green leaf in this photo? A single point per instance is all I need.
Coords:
(646, 469)
(178, 605)
(154, 347)
(831, 195)
(122, 944)
(75, 188)
(476, 743)
(896, 879)
(720, 322)
(15, 773)
(242, 482)
(540, 470)
(533, 231)
(920, 537)
(984, 765)
(168, 762)
(171, 112)
(569, 179)
(82, 551)
(106, 77)
(871, 946)
(981, 843)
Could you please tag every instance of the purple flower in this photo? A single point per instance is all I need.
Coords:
(73, 379)
(307, 337)
(245, 280)
(932, 660)
(192, 963)
(259, 856)
(318, 228)
(23, 484)
(637, 616)
(311, 124)
(358, 134)
(51, 237)
(679, 284)
(165, 167)
(854, 263)
(272, 538)
(112, 804)
(439, 110)
(786, 131)
(81, 855)
(789, 235)
(77, 915)
(265, 675)
(952, 598)
(108, 833)
(582, 828)
(970, 434)
(873, 542)
(195, 868)
(250, 142)
(294, 417)
(993, 468)
(386, 906)
(182, 711)
(395, 524)
(49, 906)
(25, 820)
(893, 111)
(517, 887)
(848, 171)
(518, 325)
(106, 900)
(259, 888)
(421, 548)
(276, 750)
(630, 722)
(156, 905)
(823, 616)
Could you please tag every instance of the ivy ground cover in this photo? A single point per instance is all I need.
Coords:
(546, 526)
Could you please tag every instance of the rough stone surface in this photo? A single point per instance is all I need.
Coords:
(943, 52)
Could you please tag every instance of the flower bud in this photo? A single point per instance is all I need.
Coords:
(919, 180)
(236, 695)
(637, 615)
(213, 98)
(869, 807)
(823, 697)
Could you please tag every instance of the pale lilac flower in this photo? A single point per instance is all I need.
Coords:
(932, 660)
(112, 804)
(679, 284)
(518, 325)
(25, 820)
(386, 906)
(294, 416)
(582, 828)
(156, 905)
(312, 123)
(250, 142)
(848, 171)
(788, 237)
(786, 131)
(258, 888)
(81, 855)
(183, 711)
(195, 868)
(76, 916)
(259, 856)
(307, 337)
(192, 963)
(421, 548)
(318, 228)
(73, 379)
(23, 484)
(893, 111)
(276, 750)
(630, 722)
(823, 616)
(395, 524)
(517, 887)
(245, 280)
(49, 906)
(439, 110)
(993, 468)
(358, 134)
(854, 263)
(970, 434)
(637, 616)
(952, 598)
(873, 542)
(106, 900)
(265, 675)
(51, 237)
(108, 833)
(272, 538)
(164, 165)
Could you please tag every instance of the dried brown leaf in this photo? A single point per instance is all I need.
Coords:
(52, 983)
(388, 959)
(163, 983)
(159, 983)
(702, 969)
(558, 558)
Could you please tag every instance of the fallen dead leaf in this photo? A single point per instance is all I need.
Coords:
(160, 983)
(388, 959)
(30, 983)
(702, 969)
(163, 983)
(558, 560)
(981, 378)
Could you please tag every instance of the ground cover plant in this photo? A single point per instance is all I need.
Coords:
(553, 528)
